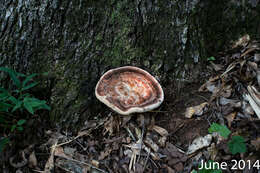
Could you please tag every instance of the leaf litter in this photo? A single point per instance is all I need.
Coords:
(174, 140)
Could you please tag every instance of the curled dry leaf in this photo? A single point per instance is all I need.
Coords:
(32, 160)
(256, 143)
(231, 102)
(247, 109)
(226, 91)
(199, 143)
(22, 160)
(213, 151)
(161, 131)
(104, 154)
(253, 65)
(243, 41)
(258, 77)
(217, 67)
(230, 117)
(196, 110)
(209, 85)
(151, 144)
(60, 152)
(254, 99)
(112, 125)
(95, 163)
(162, 140)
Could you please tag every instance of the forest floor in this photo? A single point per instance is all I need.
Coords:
(211, 116)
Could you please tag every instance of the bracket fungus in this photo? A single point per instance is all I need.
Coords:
(128, 90)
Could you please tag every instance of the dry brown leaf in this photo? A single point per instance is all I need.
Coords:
(213, 151)
(209, 85)
(217, 67)
(104, 154)
(253, 65)
(256, 143)
(60, 152)
(243, 41)
(196, 110)
(151, 144)
(32, 160)
(161, 131)
(49, 166)
(199, 143)
(230, 102)
(170, 170)
(230, 117)
(95, 163)
(254, 99)
(112, 125)
(162, 141)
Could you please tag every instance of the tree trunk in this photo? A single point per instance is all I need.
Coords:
(77, 41)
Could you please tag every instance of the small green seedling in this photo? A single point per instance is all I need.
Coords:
(237, 145)
(222, 130)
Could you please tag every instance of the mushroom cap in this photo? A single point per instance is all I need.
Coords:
(128, 90)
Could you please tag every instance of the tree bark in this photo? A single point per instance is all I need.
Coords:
(77, 41)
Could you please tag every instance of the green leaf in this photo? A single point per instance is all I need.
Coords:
(12, 75)
(30, 86)
(222, 130)
(20, 74)
(13, 100)
(4, 96)
(212, 58)
(17, 106)
(44, 106)
(3, 142)
(13, 128)
(237, 145)
(27, 79)
(28, 107)
(4, 93)
(45, 73)
(5, 106)
(20, 128)
(21, 122)
(34, 102)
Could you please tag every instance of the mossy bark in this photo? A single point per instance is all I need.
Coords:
(77, 41)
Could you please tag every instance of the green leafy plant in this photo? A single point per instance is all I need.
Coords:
(237, 145)
(222, 130)
(212, 58)
(15, 100)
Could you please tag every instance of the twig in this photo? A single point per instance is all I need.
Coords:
(146, 160)
(80, 162)
(130, 133)
(141, 142)
(65, 169)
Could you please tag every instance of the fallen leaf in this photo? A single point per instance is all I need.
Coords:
(256, 143)
(199, 143)
(230, 117)
(243, 41)
(196, 110)
(32, 160)
(160, 130)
